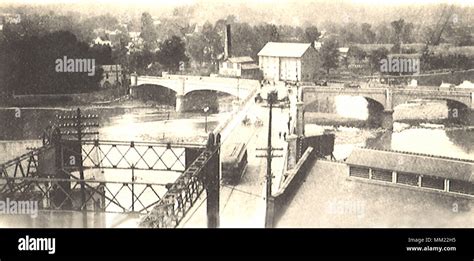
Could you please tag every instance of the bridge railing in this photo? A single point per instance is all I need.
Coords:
(135, 155)
(23, 166)
(207, 79)
(65, 194)
(184, 193)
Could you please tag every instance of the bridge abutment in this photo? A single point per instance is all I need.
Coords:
(179, 103)
(292, 151)
(378, 116)
(387, 120)
(299, 119)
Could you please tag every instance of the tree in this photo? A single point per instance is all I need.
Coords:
(30, 64)
(243, 40)
(382, 35)
(139, 62)
(172, 53)
(357, 53)
(375, 58)
(397, 27)
(402, 33)
(330, 55)
(205, 46)
(148, 32)
(462, 36)
(311, 34)
(368, 36)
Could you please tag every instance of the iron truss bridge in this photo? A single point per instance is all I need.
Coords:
(49, 175)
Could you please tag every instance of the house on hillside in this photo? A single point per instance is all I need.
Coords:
(288, 61)
(243, 66)
(112, 76)
(100, 41)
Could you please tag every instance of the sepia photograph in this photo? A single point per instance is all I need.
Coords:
(236, 114)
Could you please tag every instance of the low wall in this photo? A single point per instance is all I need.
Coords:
(222, 80)
(291, 183)
(233, 116)
(31, 100)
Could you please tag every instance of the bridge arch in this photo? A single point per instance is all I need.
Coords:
(457, 110)
(325, 101)
(196, 100)
(461, 101)
(154, 92)
(231, 91)
(376, 108)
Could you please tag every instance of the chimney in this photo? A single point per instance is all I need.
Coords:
(228, 43)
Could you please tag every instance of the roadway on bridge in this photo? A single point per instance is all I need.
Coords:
(243, 205)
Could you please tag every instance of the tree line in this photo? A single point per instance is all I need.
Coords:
(28, 49)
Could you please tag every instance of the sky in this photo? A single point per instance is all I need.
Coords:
(183, 2)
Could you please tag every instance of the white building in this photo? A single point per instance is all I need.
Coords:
(288, 61)
(243, 66)
(99, 41)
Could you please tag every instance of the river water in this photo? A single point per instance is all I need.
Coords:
(23, 130)
(162, 124)
(434, 139)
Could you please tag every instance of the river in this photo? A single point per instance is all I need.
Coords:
(23, 130)
(434, 139)
(163, 124)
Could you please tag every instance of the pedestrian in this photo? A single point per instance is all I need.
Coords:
(284, 136)
(279, 135)
(218, 139)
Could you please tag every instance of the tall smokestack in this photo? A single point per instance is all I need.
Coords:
(228, 42)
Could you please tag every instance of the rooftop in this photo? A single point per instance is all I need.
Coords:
(241, 59)
(295, 50)
(327, 199)
(250, 66)
(417, 163)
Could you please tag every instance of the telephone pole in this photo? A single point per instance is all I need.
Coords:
(272, 98)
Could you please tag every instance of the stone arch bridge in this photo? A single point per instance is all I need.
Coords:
(183, 85)
(382, 101)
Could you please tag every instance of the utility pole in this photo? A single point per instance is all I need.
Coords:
(206, 109)
(272, 97)
(238, 89)
(76, 127)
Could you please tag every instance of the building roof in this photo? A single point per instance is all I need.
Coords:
(284, 49)
(343, 49)
(424, 164)
(240, 59)
(466, 84)
(250, 66)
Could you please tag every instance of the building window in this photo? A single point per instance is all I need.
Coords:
(407, 178)
(359, 172)
(432, 182)
(460, 186)
(383, 175)
(106, 75)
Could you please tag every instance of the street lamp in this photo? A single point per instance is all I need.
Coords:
(206, 109)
